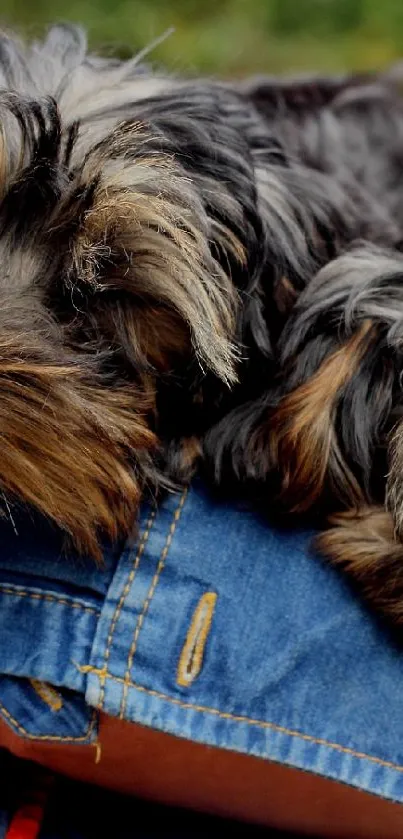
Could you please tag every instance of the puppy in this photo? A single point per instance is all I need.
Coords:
(194, 272)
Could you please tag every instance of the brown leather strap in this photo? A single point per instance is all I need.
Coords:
(157, 766)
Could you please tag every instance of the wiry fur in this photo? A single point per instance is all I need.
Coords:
(194, 271)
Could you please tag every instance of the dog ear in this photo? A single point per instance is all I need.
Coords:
(143, 242)
(315, 433)
(313, 441)
(294, 440)
(340, 351)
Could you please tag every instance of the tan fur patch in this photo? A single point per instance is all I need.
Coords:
(302, 433)
(191, 450)
(75, 459)
(362, 543)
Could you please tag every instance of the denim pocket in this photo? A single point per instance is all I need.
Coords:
(36, 710)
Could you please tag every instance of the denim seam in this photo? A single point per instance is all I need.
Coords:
(240, 719)
(123, 596)
(150, 595)
(55, 738)
(50, 598)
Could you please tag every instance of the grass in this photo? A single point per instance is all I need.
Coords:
(232, 37)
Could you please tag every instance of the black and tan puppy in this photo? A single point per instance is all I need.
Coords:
(198, 271)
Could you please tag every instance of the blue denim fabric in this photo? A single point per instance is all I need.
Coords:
(214, 627)
(3, 823)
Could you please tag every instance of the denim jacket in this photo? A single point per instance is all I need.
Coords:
(213, 627)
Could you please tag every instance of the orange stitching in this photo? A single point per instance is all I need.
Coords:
(149, 598)
(49, 695)
(123, 596)
(225, 715)
(33, 595)
(52, 737)
(191, 657)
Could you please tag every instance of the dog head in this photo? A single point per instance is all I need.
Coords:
(108, 284)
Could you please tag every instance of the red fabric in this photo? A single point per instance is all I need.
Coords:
(27, 820)
(26, 823)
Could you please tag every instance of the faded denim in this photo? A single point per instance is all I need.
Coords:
(214, 627)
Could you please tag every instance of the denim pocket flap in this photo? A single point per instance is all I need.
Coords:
(37, 710)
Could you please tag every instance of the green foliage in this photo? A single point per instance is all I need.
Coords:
(319, 17)
(233, 37)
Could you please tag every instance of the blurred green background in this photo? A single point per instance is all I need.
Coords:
(233, 37)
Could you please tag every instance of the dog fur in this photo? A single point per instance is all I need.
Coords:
(196, 273)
